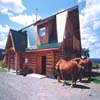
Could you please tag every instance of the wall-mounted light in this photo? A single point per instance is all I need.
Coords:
(26, 60)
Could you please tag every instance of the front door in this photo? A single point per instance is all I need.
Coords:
(43, 65)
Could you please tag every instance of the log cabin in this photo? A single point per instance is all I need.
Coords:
(38, 47)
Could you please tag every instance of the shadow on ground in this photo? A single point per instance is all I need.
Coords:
(81, 86)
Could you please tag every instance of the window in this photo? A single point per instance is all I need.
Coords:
(12, 59)
(42, 31)
(26, 60)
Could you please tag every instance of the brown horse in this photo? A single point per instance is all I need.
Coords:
(85, 64)
(67, 67)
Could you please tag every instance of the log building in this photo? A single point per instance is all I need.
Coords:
(39, 46)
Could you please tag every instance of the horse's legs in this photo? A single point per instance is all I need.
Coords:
(58, 78)
(55, 73)
(80, 74)
(58, 75)
(62, 77)
(72, 80)
(74, 76)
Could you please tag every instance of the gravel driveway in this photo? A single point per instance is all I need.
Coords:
(16, 87)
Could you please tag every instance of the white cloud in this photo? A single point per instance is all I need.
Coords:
(89, 26)
(3, 35)
(90, 13)
(10, 7)
(80, 1)
(4, 29)
(14, 10)
(5, 11)
(96, 25)
(24, 19)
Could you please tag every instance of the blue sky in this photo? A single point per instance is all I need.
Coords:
(16, 14)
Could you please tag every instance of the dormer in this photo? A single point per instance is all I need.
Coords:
(47, 31)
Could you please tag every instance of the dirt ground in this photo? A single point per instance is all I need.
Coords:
(17, 87)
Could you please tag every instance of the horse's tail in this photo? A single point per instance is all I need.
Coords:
(57, 73)
(57, 69)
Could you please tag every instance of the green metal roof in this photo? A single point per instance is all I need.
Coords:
(19, 40)
(50, 45)
(45, 46)
(31, 35)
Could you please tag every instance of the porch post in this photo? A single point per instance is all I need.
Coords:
(17, 61)
(8, 61)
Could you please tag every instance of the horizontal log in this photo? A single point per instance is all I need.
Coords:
(49, 59)
(57, 53)
(32, 67)
(33, 57)
(49, 67)
(33, 61)
(49, 53)
(49, 63)
(49, 70)
(29, 64)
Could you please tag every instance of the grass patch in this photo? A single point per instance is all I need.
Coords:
(2, 69)
(95, 65)
(96, 79)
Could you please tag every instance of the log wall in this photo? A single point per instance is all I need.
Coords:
(31, 62)
(50, 64)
